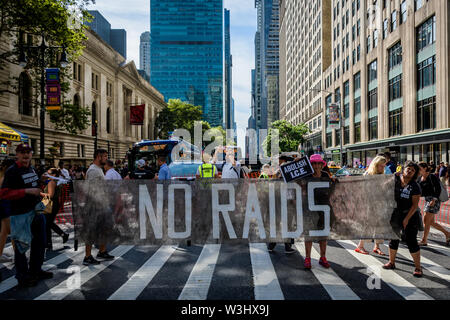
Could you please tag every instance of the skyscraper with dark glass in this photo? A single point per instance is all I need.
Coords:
(186, 53)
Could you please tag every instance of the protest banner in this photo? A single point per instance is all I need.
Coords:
(232, 211)
(295, 170)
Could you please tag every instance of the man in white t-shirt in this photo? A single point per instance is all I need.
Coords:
(111, 173)
(231, 168)
(64, 171)
(95, 172)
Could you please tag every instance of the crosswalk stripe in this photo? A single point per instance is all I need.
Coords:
(441, 249)
(131, 289)
(395, 281)
(62, 290)
(432, 266)
(333, 284)
(197, 286)
(11, 282)
(266, 282)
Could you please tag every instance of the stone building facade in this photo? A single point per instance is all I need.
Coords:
(104, 82)
(390, 74)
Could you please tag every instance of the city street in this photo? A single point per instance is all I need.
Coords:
(235, 272)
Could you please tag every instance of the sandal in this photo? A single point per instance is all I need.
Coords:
(418, 273)
(378, 251)
(389, 266)
(361, 250)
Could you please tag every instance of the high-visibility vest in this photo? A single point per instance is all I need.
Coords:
(263, 176)
(207, 170)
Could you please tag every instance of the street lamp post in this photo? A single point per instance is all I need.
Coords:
(341, 118)
(22, 62)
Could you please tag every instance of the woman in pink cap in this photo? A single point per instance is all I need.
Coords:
(318, 164)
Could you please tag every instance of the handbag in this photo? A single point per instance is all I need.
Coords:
(48, 203)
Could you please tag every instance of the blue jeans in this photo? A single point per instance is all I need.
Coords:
(37, 252)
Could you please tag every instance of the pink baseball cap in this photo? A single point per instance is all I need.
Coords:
(317, 158)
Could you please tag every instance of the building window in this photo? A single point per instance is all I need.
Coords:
(346, 110)
(385, 28)
(404, 9)
(357, 4)
(357, 105)
(354, 57)
(372, 71)
(329, 140)
(395, 88)
(426, 33)
(80, 150)
(358, 132)
(426, 114)
(418, 4)
(372, 99)
(395, 122)
(353, 33)
(358, 27)
(368, 44)
(346, 89)
(337, 95)
(346, 135)
(393, 20)
(426, 73)
(375, 38)
(373, 126)
(76, 71)
(395, 55)
(358, 52)
(108, 120)
(357, 81)
(353, 8)
(25, 94)
(338, 137)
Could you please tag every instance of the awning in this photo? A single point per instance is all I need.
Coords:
(11, 134)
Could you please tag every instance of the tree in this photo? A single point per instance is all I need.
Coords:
(61, 24)
(177, 115)
(290, 136)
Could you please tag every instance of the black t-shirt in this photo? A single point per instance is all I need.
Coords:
(21, 178)
(403, 196)
(142, 175)
(430, 187)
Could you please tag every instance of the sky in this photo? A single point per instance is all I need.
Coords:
(134, 17)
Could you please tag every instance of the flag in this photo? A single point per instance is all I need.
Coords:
(137, 114)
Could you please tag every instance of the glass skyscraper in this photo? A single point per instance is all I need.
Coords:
(186, 53)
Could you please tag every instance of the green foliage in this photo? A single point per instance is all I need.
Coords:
(177, 115)
(290, 136)
(61, 24)
(72, 118)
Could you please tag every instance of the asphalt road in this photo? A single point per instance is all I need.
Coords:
(238, 272)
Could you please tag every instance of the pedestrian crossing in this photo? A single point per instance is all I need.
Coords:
(200, 269)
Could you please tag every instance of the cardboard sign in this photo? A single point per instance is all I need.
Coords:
(296, 169)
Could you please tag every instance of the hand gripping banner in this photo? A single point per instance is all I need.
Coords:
(232, 211)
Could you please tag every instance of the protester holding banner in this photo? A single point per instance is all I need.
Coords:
(21, 187)
(287, 245)
(95, 172)
(377, 166)
(431, 190)
(53, 191)
(407, 195)
(5, 212)
(318, 164)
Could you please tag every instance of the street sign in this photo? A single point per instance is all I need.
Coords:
(53, 108)
(296, 169)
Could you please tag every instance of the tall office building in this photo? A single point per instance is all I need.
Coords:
(186, 53)
(390, 73)
(307, 53)
(116, 38)
(144, 53)
(229, 112)
(266, 82)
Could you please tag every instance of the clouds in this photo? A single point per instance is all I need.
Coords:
(134, 17)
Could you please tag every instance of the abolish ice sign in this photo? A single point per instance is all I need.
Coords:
(296, 170)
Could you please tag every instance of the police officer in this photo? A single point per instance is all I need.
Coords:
(207, 169)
